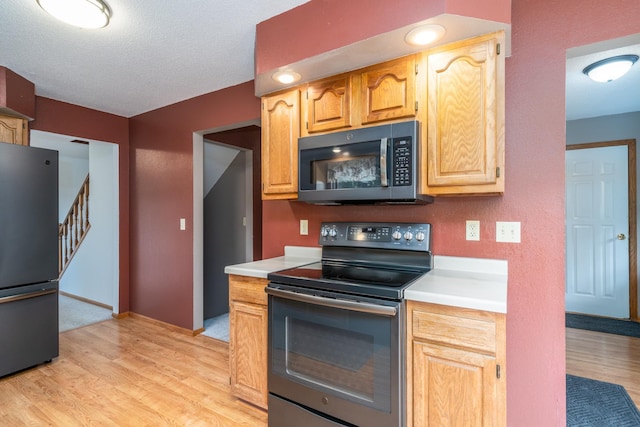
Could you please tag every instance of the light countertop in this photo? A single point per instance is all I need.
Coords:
(294, 256)
(475, 283)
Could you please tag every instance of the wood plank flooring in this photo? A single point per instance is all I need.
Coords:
(128, 372)
(136, 372)
(605, 357)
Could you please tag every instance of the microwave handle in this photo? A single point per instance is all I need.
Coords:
(384, 181)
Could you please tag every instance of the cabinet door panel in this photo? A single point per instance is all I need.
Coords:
(452, 387)
(465, 117)
(247, 352)
(14, 130)
(329, 104)
(388, 91)
(280, 133)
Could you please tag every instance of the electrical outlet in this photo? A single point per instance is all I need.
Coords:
(304, 227)
(473, 230)
(508, 232)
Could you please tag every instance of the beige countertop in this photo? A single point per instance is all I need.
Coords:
(475, 283)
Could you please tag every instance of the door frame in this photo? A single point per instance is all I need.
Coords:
(631, 196)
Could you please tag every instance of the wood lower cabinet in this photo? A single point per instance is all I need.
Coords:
(280, 133)
(463, 147)
(456, 372)
(248, 317)
(14, 130)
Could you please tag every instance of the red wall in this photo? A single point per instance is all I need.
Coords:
(534, 195)
(323, 25)
(162, 192)
(67, 119)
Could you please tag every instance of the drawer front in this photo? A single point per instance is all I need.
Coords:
(248, 289)
(460, 329)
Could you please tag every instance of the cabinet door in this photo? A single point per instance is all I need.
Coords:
(14, 130)
(328, 104)
(248, 352)
(280, 133)
(388, 90)
(465, 117)
(453, 387)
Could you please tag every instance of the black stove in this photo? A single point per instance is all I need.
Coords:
(378, 260)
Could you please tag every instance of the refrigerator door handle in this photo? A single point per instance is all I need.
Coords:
(13, 298)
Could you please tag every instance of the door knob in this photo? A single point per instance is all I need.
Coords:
(621, 236)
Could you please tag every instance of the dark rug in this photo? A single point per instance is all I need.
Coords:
(603, 324)
(599, 404)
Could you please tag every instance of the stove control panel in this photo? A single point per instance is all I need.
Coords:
(404, 236)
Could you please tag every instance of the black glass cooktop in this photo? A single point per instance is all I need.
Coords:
(349, 278)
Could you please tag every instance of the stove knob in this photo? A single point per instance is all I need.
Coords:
(396, 235)
(420, 236)
(408, 235)
(324, 232)
(333, 232)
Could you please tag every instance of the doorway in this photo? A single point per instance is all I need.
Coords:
(227, 215)
(600, 229)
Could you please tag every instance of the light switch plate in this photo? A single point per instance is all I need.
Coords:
(183, 224)
(304, 227)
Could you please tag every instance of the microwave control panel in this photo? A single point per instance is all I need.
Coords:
(402, 162)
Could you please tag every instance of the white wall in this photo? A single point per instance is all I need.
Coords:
(93, 272)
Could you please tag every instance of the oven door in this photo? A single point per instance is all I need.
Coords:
(337, 355)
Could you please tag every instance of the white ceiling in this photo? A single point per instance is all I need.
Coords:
(153, 53)
(586, 98)
(158, 52)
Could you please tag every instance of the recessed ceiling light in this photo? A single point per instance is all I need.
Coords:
(286, 77)
(80, 13)
(610, 69)
(425, 34)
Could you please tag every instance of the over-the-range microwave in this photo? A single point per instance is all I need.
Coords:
(373, 165)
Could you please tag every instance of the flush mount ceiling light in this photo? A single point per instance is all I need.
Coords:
(610, 69)
(425, 34)
(80, 13)
(286, 77)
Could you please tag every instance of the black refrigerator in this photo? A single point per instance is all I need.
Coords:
(28, 257)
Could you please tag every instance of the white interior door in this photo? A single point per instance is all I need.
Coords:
(597, 229)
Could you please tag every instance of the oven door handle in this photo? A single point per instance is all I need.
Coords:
(361, 307)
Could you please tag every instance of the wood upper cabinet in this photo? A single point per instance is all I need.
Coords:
(388, 90)
(455, 367)
(280, 133)
(464, 146)
(14, 130)
(328, 104)
(248, 317)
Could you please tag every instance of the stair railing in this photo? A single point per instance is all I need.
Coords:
(74, 228)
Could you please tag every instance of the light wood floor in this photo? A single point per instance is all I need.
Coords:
(134, 372)
(605, 357)
(128, 372)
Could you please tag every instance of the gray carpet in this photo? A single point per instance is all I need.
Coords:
(603, 324)
(592, 403)
(73, 313)
(217, 327)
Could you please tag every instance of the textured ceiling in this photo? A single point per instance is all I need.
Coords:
(153, 53)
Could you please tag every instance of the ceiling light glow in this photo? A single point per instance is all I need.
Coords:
(610, 69)
(286, 77)
(425, 34)
(90, 14)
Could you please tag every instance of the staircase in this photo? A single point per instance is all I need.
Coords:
(74, 228)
